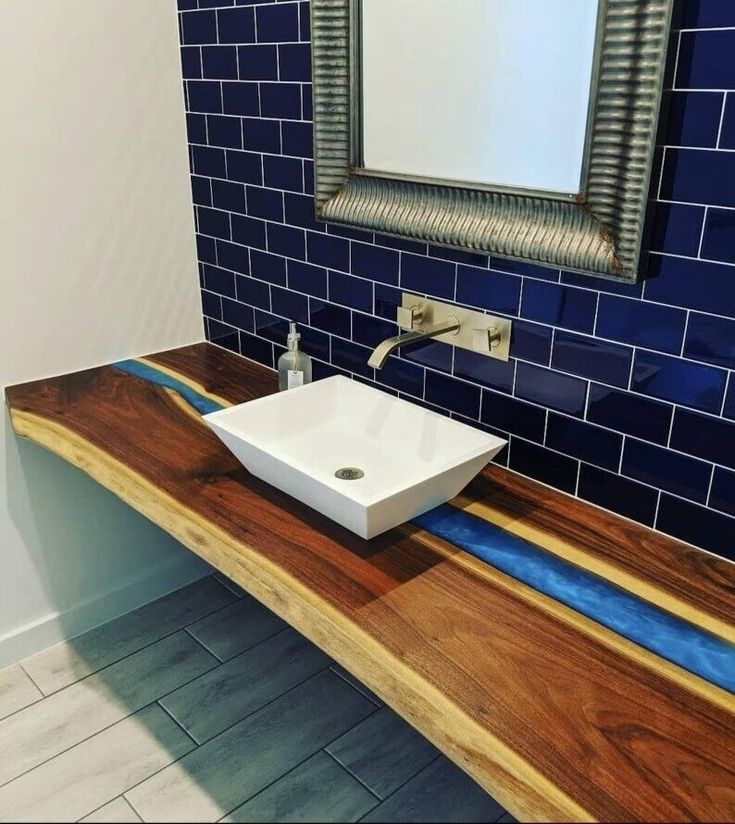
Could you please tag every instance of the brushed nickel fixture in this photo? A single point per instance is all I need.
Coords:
(424, 319)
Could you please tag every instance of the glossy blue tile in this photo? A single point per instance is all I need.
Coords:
(589, 443)
(258, 62)
(253, 293)
(219, 281)
(261, 135)
(530, 341)
(729, 410)
(289, 304)
(486, 371)
(237, 314)
(219, 62)
(349, 291)
(303, 277)
(249, 231)
(602, 284)
(370, 331)
(641, 324)
(304, 21)
(240, 98)
(330, 318)
(204, 96)
(185, 5)
(694, 119)
(697, 525)
(488, 289)
(719, 235)
(278, 23)
(522, 267)
(453, 394)
(351, 356)
(625, 412)
(286, 240)
(223, 335)
(677, 228)
(324, 250)
(264, 203)
(213, 222)
(375, 263)
(300, 212)
(699, 176)
(206, 249)
(245, 167)
(268, 267)
(212, 305)
(224, 131)
(665, 469)
(295, 61)
(228, 195)
(591, 358)
(621, 495)
(708, 287)
(199, 27)
(559, 305)
(458, 256)
(678, 381)
(401, 244)
(256, 349)
(298, 138)
(307, 102)
(281, 100)
(233, 256)
(309, 177)
(704, 436)
(543, 465)
(727, 134)
(550, 389)
(201, 191)
(723, 491)
(511, 415)
(196, 128)
(427, 353)
(191, 62)
(236, 25)
(428, 276)
(704, 60)
(702, 14)
(711, 339)
(403, 376)
(286, 173)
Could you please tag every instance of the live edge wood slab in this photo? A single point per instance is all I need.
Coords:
(556, 714)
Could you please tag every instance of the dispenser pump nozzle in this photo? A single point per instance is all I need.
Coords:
(293, 337)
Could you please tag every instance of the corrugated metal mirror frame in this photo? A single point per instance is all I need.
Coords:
(600, 233)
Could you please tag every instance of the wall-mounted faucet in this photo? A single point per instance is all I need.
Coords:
(424, 319)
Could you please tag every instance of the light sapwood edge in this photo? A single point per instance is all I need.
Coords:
(517, 785)
(564, 549)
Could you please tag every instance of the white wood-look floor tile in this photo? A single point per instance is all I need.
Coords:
(222, 697)
(16, 690)
(59, 666)
(116, 812)
(62, 720)
(222, 774)
(99, 769)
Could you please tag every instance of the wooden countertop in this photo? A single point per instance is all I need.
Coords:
(578, 666)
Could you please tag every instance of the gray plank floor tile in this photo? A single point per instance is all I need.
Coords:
(317, 790)
(219, 698)
(66, 663)
(358, 685)
(116, 812)
(101, 768)
(16, 690)
(383, 751)
(223, 579)
(441, 792)
(225, 772)
(236, 627)
(507, 819)
(65, 718)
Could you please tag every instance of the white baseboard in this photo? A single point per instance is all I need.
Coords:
(63, 625)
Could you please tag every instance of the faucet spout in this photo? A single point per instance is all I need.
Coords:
(385, 348)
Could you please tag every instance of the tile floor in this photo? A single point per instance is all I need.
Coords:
(205, 706)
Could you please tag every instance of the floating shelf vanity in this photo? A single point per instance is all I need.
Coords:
(498, 625)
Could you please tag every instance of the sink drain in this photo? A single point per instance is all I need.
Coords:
(349, 473)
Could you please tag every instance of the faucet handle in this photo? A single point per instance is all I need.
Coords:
(485, 340)
(409, 317)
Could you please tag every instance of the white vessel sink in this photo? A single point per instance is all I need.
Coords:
(411, 459)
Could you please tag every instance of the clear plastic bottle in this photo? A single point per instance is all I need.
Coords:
(294, 366)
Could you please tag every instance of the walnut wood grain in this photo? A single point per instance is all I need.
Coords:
(555, 716)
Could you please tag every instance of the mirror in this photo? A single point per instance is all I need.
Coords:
(494, 92)
(516, 128)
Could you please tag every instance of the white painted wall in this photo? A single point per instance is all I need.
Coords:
(97, 262)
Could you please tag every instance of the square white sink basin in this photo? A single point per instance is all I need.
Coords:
(411, 459)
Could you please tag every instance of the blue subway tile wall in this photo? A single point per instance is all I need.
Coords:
(621, 394)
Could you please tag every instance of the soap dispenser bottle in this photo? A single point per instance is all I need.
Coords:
(294, 366)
